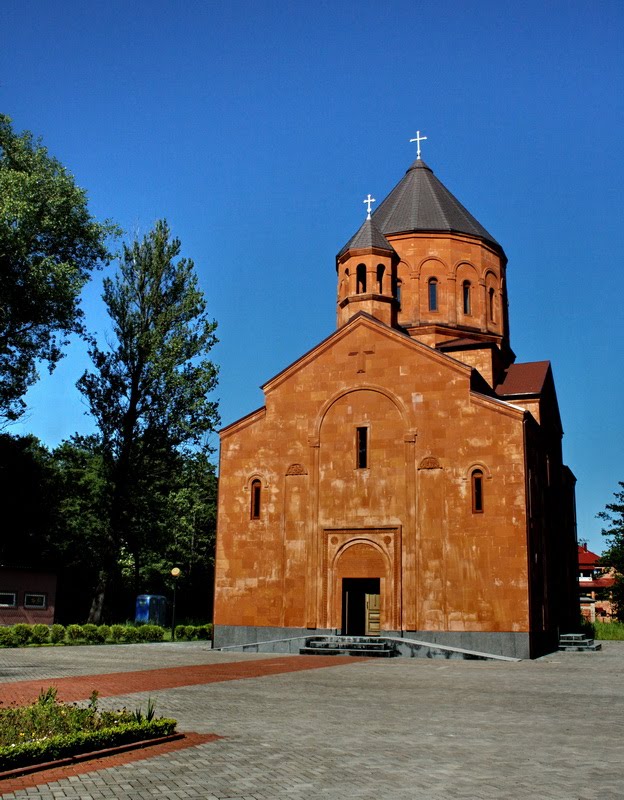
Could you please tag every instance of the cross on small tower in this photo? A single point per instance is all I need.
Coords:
(368, 202)
(418, 140)
(361, 357)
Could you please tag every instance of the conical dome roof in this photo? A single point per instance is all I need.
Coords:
(419, 202)
(367, 236)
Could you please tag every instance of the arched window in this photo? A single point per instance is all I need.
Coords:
(256, 492)
(380, 276)
(466, 297)
(477, 491)
(433, 294)
(399, 286)
(491, 306)
(361, 278)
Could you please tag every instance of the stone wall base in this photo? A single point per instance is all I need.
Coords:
(289, 640)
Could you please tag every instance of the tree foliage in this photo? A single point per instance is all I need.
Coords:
(613, 517)
(29, 490)
(148, 395)
(49, 244)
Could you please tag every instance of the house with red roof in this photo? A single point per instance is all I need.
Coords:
(595, 583)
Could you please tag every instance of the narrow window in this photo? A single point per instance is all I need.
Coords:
(491, 304)
(361, 278)
(256, 489)
(380, 276)
(361, 444)
(466, 296)
(433, 294)
(477, 491)
(398, 292)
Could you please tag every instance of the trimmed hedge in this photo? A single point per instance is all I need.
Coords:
(21, 634)
(190, 633)
(65, 745)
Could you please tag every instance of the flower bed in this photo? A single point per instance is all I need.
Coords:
(49, 730)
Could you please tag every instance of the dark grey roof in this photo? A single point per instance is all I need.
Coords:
(419, 202)
(368, 236)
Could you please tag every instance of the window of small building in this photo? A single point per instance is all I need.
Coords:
(361, 447)
(8, 599)
(380, 276)
(360, 276)
(399, 286)
(256, 492)
(466, 297)
(477, 491)
(433, 294)
(35, 600)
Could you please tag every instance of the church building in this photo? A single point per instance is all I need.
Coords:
(404, 478)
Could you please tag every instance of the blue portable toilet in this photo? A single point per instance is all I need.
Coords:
(151, 608)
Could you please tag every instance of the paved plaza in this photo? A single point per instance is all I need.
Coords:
(401, 729)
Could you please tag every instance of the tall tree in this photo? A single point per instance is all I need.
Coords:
(149, 391)
(49, 243)
(613, 517)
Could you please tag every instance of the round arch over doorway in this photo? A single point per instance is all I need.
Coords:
(362, 562)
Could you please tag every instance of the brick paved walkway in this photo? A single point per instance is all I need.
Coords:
(80, 687)
(401, 729)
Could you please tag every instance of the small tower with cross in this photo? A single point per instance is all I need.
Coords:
(366, 268)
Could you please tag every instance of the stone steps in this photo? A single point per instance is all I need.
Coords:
(577, 643)
(366, 646)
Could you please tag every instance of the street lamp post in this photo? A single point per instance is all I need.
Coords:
(175, 574)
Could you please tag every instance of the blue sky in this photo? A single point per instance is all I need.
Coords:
(257, 128)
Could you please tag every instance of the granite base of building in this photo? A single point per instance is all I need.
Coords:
(252, 639)
(410, 643)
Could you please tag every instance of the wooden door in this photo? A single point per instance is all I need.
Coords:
(373, 614)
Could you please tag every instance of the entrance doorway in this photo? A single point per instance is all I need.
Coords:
(360, 606)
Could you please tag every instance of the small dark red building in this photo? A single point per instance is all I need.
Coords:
(27, 595)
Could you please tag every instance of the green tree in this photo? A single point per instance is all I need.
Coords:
(49, 244)
(27, 477)
(613, 517)
(149, 393)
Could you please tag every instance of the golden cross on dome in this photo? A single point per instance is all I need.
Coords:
(418, 140)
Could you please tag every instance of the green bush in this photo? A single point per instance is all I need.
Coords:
(74, 633)
(117, 632)
(204, 631)
(613, 631)
(104, 633)
(131, 635)
(40, 634)
(22, 633)
(7, 637)
(69, 744)
(188, 633)
(92, 633)
(151, 633)
(57, 634)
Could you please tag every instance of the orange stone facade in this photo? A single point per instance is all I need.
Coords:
(387, 455)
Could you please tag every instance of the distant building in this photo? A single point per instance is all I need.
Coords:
(26, 595)
(405, 476)
(595, 583)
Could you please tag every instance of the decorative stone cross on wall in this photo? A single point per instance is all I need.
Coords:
(361, 357)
